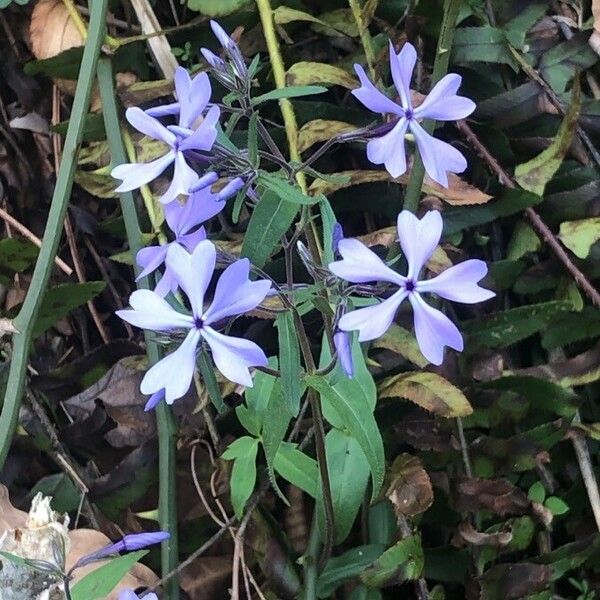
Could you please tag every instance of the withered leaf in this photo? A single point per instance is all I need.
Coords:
(505, 582)
(467, 533)
(458, 193)
(497, 495)
(409, 488)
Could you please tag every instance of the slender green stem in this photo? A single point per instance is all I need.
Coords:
(440, 67)
(167, 431)
(310, 563)
(26, 319)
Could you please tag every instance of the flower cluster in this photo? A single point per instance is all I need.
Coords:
(186, 265)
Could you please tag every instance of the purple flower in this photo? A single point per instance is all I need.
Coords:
(442, 104)
(131, 595)
(234, 295)
(418, 239)
(233, 53)
(182, 218)
(193, 98)
(129, 543)
(341, 341)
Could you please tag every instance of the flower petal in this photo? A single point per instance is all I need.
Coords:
(372, 98)
(459, 283)
(438, 156)
(150, 311)
(443, 104)
(150, 259)
(167, 283)
(175, 371)
(418, 238)
(154, 400)
(205, 135)
(235, 294)
(389, 149)
(149, 126)
(233, 356)
(184, 178)
(198, 208)
(402, 66)
(434, 330)
(164, 110)
(134, 175)
(193, 95)
(359, 264)
(193, 272)
(190, 240)
(341, 341)
(373, 321)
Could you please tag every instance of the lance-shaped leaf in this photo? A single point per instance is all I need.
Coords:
(243, 475)
(289, 360)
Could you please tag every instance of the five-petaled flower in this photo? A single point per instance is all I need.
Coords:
(194, 132)
(183, 219)
(418, 240)
(234, 295)
(442, 104)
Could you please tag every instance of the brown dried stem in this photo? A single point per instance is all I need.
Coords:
(541, 229)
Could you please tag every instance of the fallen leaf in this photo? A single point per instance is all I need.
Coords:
(458, 193)
(511, 581)
(580, 236)
(467, 533)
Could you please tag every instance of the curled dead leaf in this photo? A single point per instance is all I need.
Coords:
(321, 130)
(594, 40)
(409, 488)
(459, 192)
(467, 533)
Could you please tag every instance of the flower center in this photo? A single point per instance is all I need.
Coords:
(409, 114)
(198, 323)
(410, 285)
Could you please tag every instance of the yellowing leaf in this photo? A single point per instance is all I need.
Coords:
(409, 488)
(284, 14)
(579, 236)
(536, 173)
(401, 341)
(459, 193)
(321, 130)
(306, 73)
(428, 390)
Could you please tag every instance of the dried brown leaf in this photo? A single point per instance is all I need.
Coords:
(497, 495)
(467, 533)
(409, 488)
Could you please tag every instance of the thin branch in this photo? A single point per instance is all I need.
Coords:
(59, 262)
(541, 229)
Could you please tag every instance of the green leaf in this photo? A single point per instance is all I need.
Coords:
(357, 417)
(523, 240)
(284, 190)
(580, 236)
(257, 398)
(253, 139)
(220, 8)
(243, 474)
(289, 92)
(481, 44)
(348, 477)
(271, 218)
(283, 15)
(210, 381)
(403, 561)
(60, 300)
(362, 592)
(536, 173)
(502, 329)
(346, 566)
(304, 72)
(297, 468)
(273, 431)
(429, 391)
(556, 505)
(16, 255)
(65, 64)
(328, 219)
(103, 580)
(537, 492)
(289, 361)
